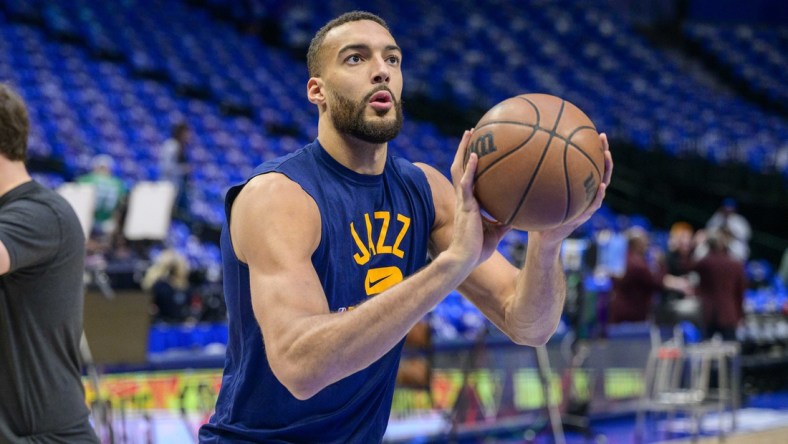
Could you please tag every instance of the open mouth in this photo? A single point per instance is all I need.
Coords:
(381, 101)
(380, 97)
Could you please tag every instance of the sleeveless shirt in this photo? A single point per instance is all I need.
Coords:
(374, 233)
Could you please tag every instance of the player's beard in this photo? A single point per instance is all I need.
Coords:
(349, 118)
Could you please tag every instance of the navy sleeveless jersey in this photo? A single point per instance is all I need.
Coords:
(374, 233)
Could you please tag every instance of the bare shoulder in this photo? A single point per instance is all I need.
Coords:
(271, 185)
(442, 193)
(274, 195)
(442, 190)
(270, 209)
(434, 177)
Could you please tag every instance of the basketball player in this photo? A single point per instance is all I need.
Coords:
(42, 255)
(324, 258)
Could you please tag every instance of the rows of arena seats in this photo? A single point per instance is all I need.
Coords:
(630, 89)
(754, 55)
(468, 53)
(81, 106)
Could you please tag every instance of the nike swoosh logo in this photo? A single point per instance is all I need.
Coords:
(379, 280)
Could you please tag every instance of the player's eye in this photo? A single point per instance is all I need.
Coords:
(353, 59)
(393, 60)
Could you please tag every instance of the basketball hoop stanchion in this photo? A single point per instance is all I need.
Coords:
(471, 362)
(543, 365)
(100, 410)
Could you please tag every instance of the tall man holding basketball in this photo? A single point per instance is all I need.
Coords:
(42, 256)
(324, 258)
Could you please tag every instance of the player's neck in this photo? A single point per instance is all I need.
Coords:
(12, 174)
(353, 153)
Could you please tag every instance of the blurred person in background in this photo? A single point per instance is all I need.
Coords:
(634, 290)
(733, 228)
(167, 280)
(42, 255)
(678, 258)
(174, 168)
(110, 195)
(680, 246)
(721, 286)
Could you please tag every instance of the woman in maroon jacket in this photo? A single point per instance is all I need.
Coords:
(721, 288)
(633, 292)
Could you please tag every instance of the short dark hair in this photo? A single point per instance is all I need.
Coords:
(315, 46)
(717, 240)
(14, 124)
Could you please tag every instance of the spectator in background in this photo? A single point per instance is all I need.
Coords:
(633, 292)
(174, 167)
(734, 229)
(167, 280)
(678, 259)
(722, 281)
(42, 255)
(110, 195)
(680, 245)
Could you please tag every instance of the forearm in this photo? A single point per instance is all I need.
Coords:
(330, 347)
(535, 308)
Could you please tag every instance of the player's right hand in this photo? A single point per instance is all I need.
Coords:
(475, 238)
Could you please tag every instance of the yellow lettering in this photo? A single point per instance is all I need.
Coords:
(369, 233)
(381, 247)
(370, 248)
(405, 225)
(362, 258)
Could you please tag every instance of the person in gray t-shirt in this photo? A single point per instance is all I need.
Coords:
(42, 255)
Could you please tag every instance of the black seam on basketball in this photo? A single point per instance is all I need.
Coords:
(509, 153)
(569, 143)
(535, 127)
(536, 110)
(538, 165)
(566, 181)
(508, 122)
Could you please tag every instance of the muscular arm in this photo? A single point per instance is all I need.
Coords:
(525, 304)
(275, 228)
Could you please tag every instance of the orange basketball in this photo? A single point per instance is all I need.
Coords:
(540, 161)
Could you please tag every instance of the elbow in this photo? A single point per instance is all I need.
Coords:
(302, 381)
(301, 388)
(532, 339)
(301, 391)
(534, 335)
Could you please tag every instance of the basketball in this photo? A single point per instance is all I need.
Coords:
(540, 161)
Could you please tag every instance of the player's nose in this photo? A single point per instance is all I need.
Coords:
(381, 73)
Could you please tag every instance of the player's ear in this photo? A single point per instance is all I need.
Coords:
(314, 90)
